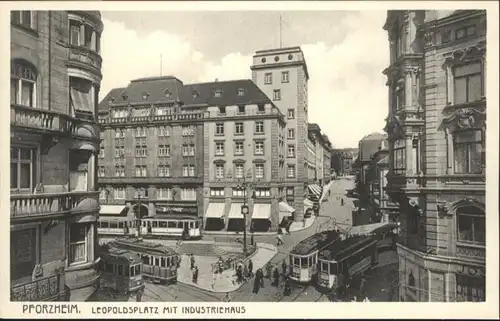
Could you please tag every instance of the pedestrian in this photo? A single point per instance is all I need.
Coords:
(304, 223)
(239, 274)
(195, 275)
(250, 268)
(342, 201)
(276, 277)
(287, 227)
(214, 278)
(287, 290)
(329, 193)
(283, 266)
(256, 282)
(252, 240)
(192, 261)
(362, 286)
(226, 297)
(246, 274)
(279, 240)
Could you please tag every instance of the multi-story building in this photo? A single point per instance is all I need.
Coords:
(244, 156)
(55, 80)
(316, 137)
(436, 127)
(327, 159)
(152, 149)
(282, 75)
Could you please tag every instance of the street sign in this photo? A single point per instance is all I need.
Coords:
(244, 209)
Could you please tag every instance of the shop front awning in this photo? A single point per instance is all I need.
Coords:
(308, 204)
(235, 211)
(285, 211)
(215, 210)
(261, 211)
(315, 189)
(112, 209)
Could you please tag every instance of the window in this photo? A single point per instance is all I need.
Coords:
(218, 93)
(268, 78)
(284, 76)
(291, 133)
(187, 130)
(291, 171)
(259, 147)
(141, 132)
(164, 131)
(101, 150)
(21, 18)
(467, 83)
(164, 193)
(82, 97)
(219, 129)
(277, 94)
(164, 151)
(467, 151)
(75, 33)
(120, 171)
(446, 35)
(119, 193)
(103, 194)
(470, 289)
(23, 84)
(239, 170)
(259, 127)
(291, 151)
(222, 110)
(241, 109)
(471, 225)
(164, 171)
(241, 91)
(119, 152)
(78, 236)
(188, 194)
(22, 168)
(399, 158)
(262, 192)
(238, 127)
(185, 170)
(291, 114)
(219, 149)
(191, 171)
(141, 193)
(141, 171)
(217, 191)
(141, 151)
(120, 113)
(185, 150)
(465, 32)
(102, 171)
(219, 171)
(259, 170)
(400, 96)
(238, 192)
(261, 108)
(239, 148)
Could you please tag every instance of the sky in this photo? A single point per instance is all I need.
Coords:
(345, 52)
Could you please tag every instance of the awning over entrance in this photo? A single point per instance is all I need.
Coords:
(111, 209)
(261, 211)
(315, 189)
(285, 211)
(235, 211)
(308, 204)
(215, 210)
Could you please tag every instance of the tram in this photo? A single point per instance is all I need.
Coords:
(175, 226)
(304, 256)
(340, 261)
(159, 262)
(120, 270)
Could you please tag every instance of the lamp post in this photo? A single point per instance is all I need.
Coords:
(243, 184)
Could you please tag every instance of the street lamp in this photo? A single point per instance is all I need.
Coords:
(243, 184)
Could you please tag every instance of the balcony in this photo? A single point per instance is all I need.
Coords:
(47, 206)
(50, 288)
(251, 114)
(151, 180)
(52, 123)
(85, 57)
(188, 118)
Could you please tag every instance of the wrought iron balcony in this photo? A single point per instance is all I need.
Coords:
(26, 207)
(50, 288)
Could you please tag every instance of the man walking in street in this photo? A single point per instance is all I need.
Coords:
(192, 261)
(250, 268)
(195, 275)
(283, 266)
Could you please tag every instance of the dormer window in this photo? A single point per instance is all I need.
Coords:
(241, 109)
(241, 91)
(125, 97)
(168, 94)
(195, 94)
(111, 99)
(218, 93)
(261, 108)
(145, 96)
(222, 109)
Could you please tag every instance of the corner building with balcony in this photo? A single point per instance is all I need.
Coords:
(282, 75)
(55, 80)
(436, 129)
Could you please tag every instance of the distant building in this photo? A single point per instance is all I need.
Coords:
(342, 161)
(55, 80)
(368, 146)
(437, 127)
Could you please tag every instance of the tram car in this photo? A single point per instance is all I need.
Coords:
(159, 262)
(342, 260)
(304, 256)
(176, 227)
(120, 270)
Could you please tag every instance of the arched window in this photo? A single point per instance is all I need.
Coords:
(471, 224)
(23, 84)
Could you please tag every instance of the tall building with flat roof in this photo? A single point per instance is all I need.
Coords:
(282, 75)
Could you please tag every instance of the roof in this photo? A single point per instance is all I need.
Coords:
(315, 242)
(112, 254)
(140, 246)
(337, 250)
(370, 144)
(170, 89)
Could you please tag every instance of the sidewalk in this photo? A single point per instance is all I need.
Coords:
(225, 282)
(326, 189)
(299, 226)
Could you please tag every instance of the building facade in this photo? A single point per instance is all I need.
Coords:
(55, 80)
(244, 158)
(282, 75)
(151, 149)
(327, 159)
(436, 127)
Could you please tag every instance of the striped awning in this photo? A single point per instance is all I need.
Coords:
(261, 211)
(111, 209)
(235, 211)
(215, 210)
(315, 189)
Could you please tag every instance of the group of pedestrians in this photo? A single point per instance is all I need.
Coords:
(244, 271)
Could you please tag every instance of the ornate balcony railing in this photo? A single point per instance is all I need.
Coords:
(85, 56)
(45, 121)
(37, 206)
(44, 289)
(250, 113)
